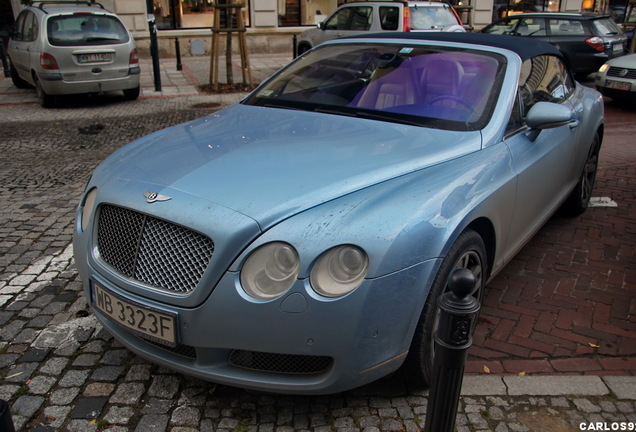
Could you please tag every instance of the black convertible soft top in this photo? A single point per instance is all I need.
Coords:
(525, 47)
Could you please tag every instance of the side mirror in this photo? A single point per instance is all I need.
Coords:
(320, 25)
(547, 115)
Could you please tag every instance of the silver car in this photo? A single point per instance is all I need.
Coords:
(380, 16)
(617, 78)
(298, 241)
(72, 49)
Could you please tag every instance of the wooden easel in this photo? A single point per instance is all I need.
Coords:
(231, 9)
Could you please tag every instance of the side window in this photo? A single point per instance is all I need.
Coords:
(18, 33)
(516, 120)
(504, 27)
(564, 27)
(542, 78)
(30, 27)
(389, 17)
(340, 20)
(362, 18)
(531, 27)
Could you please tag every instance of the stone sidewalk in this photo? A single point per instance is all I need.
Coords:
(554, 350)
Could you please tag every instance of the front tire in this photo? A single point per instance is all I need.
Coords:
(469, 251)
(580, 197)
(15, 78)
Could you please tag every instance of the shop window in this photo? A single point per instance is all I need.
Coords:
(177, 14)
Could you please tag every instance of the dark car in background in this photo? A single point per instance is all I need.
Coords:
(586, 40)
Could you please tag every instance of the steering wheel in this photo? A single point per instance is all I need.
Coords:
(463, 102)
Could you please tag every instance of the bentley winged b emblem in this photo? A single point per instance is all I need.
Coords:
(154, 196)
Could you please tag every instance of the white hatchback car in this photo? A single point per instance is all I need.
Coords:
(63, 49)
(381, 16)
(617, 78)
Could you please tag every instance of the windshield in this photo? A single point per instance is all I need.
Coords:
(420, 85)
(85, 29)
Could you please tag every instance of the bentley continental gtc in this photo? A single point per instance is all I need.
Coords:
(297, 242)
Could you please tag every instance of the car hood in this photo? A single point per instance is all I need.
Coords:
(270, 163)
(626, 61)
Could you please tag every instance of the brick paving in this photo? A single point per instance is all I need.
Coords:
(567, 302)
(564, 306)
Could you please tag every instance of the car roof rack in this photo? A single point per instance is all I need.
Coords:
(40, 4)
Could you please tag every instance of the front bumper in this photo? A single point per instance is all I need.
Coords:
(298, 344)
(616, 87)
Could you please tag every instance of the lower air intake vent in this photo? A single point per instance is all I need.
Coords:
(280, 363)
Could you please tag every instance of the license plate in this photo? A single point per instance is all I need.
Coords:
(617, 48)
(618, 85)
(95, 58)
(150, 323)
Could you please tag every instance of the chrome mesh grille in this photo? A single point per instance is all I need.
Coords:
(280, 363)
(152, 251)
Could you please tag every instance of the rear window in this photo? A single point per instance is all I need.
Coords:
(429, 18)
(85, 29)
(605, 27)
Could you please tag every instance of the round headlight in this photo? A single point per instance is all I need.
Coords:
(339, 271)
(87, 207)
(270, 270)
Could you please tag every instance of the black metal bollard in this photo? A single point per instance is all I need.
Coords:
(6, 422)
(294, 47)
(177, 49)
(458, 311)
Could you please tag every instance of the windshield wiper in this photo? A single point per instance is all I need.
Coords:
(367, 115)
(93, 39)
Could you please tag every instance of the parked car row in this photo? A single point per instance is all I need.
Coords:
(63, 48)
(589, 42)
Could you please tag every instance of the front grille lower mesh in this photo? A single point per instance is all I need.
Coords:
(152, 251)
(280, 363)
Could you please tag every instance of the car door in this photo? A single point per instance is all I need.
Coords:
(544, 164)
(569, 36)
(347, 21)
(22, 43)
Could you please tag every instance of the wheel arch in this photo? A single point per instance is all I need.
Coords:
(303, 47)
(484, 227)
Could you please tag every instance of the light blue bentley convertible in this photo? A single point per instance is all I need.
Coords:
(297, 242)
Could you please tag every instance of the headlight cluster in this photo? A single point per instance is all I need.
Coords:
(271, 270)
(87, 207)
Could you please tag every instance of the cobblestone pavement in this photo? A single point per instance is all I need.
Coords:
(564, 306)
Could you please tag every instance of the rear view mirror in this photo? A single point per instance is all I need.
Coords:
(547, 115)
